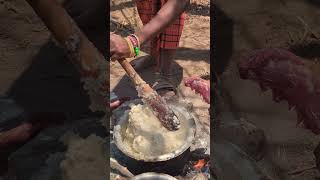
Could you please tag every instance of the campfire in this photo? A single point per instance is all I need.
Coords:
(198, 165)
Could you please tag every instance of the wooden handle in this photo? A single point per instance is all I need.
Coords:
(134, 76)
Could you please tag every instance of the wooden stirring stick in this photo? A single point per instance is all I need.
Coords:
(166, 116)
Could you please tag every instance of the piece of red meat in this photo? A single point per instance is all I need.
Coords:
(200, 86)
(290, 78)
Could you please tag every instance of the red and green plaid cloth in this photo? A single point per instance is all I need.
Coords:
(170, 37)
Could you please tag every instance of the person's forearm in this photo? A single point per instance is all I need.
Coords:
(166, 15)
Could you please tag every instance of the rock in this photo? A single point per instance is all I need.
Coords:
(85, 158)
(232, 163)
(247, 136)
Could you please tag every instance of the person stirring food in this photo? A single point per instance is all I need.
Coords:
(163, 22)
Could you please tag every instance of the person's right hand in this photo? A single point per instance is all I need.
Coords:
(119, 48)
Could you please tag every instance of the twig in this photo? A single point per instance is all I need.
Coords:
(118, 24)
(124, 14)
(123, 170)
(308, 27)
(291, 38)
(299, 171)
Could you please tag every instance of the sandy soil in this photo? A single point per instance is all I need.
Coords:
(252, 24)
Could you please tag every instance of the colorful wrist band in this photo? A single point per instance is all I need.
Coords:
(135, 44)
(132, 52)
(134, 41)
(136, 37)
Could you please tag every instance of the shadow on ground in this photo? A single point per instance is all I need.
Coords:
(224, 41)
(125, 87)
(314, 2)
(51, 83)
(193, 54)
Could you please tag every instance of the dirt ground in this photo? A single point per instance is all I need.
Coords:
(243, 26)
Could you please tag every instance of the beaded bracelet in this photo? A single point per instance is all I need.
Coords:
(132, 53)
(135, 42)
(135, 45)
(136, 37)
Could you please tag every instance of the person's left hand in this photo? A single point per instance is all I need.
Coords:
(119, 48)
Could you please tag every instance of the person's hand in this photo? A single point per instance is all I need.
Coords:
(119, 48)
